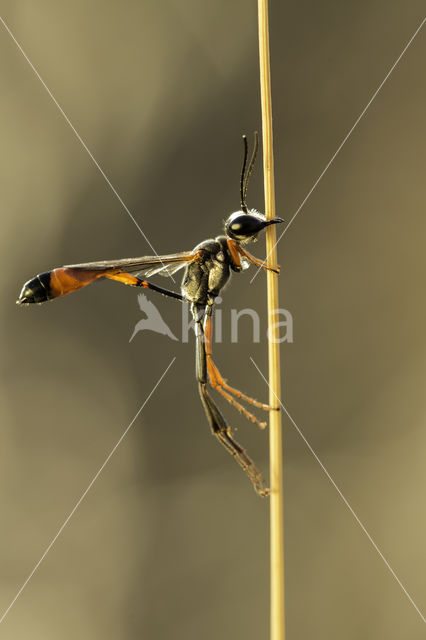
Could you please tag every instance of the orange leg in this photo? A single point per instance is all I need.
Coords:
(259, 263)
(216, 385)
(216, 420)
(219, 383)
(134, 281)
(222, 382)
(236, 251)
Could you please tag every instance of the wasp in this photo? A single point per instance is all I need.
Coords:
(207, 269)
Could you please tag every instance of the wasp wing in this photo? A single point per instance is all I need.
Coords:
(166, 270)
(147, 264)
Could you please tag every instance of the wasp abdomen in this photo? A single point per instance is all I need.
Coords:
(53, 284)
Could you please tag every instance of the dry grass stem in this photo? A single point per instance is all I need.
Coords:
(277, 627)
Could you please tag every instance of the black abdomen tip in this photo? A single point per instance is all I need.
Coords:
(36, 290)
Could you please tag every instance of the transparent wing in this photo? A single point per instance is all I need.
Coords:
(147, 264)
(166, 270)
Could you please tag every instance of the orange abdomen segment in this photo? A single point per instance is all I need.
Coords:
(65, 280)
(53, 284)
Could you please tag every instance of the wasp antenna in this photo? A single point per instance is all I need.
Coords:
(243, 187)
(251, 165)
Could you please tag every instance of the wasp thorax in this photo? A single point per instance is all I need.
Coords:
(244, 227)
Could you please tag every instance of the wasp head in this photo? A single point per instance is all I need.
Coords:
(244, 227)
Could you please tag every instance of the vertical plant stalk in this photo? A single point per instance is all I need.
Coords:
(277, 624)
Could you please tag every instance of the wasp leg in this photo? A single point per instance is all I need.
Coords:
(223, 433)
(215, 384)
(217, 422)
(134, 281)
(236, 251)
(259, 263)
(219, 383)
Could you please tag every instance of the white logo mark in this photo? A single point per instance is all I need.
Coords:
(153, 321)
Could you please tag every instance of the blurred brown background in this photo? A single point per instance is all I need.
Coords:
(171, 541)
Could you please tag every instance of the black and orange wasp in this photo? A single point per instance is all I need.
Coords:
(207, 270)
